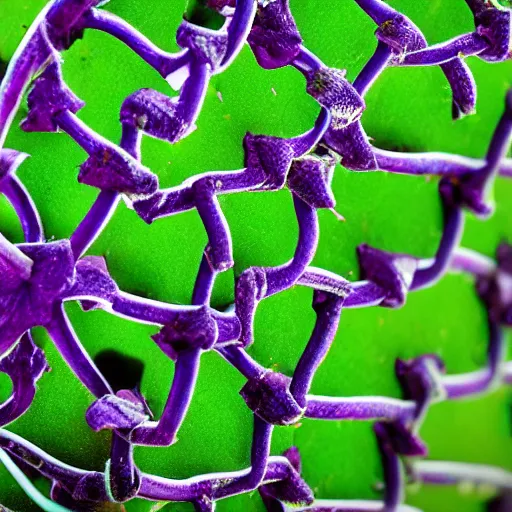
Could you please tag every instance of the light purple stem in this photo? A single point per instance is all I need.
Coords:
(238, 29)
(472, 262)
(307, 62)
(452, 473)
(19, 197)
(440, 164)
(372, 69)
(163, 62)
(473, 383)
(260, 450)
(305, 143)
(123, 475)
(163, 432)
(326, 281)
(427, 276)
(72, 351)
(360, 408)
(461, 46)
(326, 326)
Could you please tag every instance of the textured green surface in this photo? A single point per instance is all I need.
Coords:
(407, 109)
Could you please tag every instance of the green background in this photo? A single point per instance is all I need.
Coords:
(407, 109)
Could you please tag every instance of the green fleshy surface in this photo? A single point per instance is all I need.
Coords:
(407, 109)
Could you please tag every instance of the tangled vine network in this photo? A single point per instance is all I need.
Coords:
(39, 276)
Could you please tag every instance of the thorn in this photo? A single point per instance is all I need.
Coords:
(219, 95)
(337, 215)
(273, 91)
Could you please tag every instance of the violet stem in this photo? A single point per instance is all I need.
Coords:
(360, 408)
(460, 46)
(425, 277)
(451, 473)
(238, 29)
(378, 11)
(393, 475)
(469, 384)
(22, 202)
(22, 395)
(326, 326)
(372, 69)
(326, 281)
(94, 222)
(153, 487)
(219, 251)
(12, 258)
(306, 142)
(260, 451)
(347, 506)
(122, 478)
(364, 294)
(163, 62)
(27, 59)
(242, 361)
(163, 432)
(73, 352)
(441, 164)
(282, 277)
(307, 62)
(472, 262)
(205, 281)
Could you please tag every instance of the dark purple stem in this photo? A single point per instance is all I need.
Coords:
(163, 432)
(328, 311)
(372, 69)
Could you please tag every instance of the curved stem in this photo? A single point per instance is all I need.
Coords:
(77, 358)
(284, 276)
(94, 222)
(163, 62)
(260, 450)
(378, 11)
(239, 29)
(163, 432)
(305, 143)
(205, 281)
(372, 69)
(242, 361)
(326, 326)
(474, 383)
(19, 197)
(450, 240)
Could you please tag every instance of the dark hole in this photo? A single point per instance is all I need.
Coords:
(121, 371)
